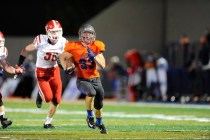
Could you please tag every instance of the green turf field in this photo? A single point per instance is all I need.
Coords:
(123, 121)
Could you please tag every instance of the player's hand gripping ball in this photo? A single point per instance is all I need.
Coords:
(70, 65)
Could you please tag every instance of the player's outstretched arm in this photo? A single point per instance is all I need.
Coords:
(18, 70)
(24, 53)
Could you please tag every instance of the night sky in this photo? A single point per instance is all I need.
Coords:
(28, 18)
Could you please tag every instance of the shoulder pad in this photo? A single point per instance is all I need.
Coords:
(99, 43)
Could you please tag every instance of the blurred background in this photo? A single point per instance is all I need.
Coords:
(152, 28)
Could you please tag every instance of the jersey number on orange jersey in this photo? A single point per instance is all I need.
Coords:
(87, 63)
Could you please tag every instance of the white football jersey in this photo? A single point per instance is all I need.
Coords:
(46, 52)
(3, 53)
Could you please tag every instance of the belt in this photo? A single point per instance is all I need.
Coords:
(88, 80)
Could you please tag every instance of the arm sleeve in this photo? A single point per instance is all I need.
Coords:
(21, 60)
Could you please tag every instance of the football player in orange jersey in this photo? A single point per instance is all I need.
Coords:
(48, 46)
(10, 69)
(87, 54)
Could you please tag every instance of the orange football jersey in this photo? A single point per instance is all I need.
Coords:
(86, 67)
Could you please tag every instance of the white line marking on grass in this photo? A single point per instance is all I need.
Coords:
(5, 137)
(156, 104)
(158, 116)
(116, 114)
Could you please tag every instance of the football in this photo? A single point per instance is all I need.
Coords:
(70, 63)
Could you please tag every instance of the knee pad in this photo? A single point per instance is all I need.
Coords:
(54, 103)
(92, 93)
(98, 104)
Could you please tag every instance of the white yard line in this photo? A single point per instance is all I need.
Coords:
(115, 114)
(156, 104)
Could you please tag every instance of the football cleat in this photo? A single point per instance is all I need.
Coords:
(49, 126)
(38, 101)
(102, 129)
(5, 122)
(90, 122)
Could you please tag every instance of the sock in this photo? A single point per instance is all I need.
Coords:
(48, 120)
(89, 113)
(98, 121)
(2, 115)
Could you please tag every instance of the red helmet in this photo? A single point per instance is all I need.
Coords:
(2, 39)
(54, 30)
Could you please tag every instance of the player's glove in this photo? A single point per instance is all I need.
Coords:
(19, 70)
(90, 53)
(69, 71)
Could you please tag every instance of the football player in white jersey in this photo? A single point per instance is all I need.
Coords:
(10, 69)
(47, 71)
